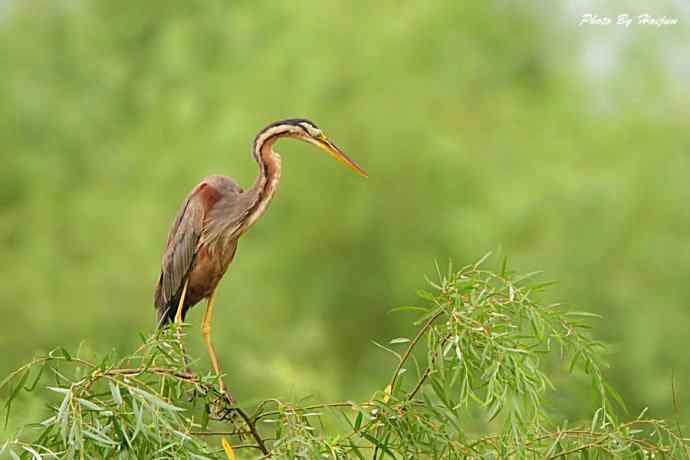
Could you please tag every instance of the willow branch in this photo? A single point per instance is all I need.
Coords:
(414, 342)
(314, 407)
(254, 431)
(427, 371)
(189, 376)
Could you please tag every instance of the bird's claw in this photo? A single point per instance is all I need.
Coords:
(222, 409)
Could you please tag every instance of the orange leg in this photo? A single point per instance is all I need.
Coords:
(206, 332)
(178, 313)
(178, 324)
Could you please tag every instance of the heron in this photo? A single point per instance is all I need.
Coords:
(215, 214)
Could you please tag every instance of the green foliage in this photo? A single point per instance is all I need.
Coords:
(483, 125)
(471, 383)
(125, 405)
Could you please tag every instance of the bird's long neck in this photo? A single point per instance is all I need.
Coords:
(269, 164)
(269, 172)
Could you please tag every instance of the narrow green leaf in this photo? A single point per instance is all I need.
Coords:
(584, 314)
(616, 396)
(65, 354)
(32, 387)
(205, 416)
(426, 295)
(354, 449)
(378, 444)
(99, 437)
(495, 410)
(104, 362)
(115, 393)
(399, 340)
(139, 412)
(15, 392)
(541, 286)
(383, 347)
(90, 405)
(33, 452)
(48, 421)
(155, 400)
(358, 421)
(63, 416)
(60, 390)
(595, 420)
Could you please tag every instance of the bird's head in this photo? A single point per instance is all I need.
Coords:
(305, 130)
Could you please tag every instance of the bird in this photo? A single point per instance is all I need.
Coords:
(202, 241)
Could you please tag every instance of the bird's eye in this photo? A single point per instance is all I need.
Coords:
(311, 130)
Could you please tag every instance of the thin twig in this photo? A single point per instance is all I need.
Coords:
(189, 376)
(314, 407)
(427, 371)
(254, 431)
(406, 356)
(675, 411)
(421, 381)
(246, 446)
(408, 352)
(219, 433)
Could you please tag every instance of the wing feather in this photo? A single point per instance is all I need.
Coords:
(199, 223)
(180, 251)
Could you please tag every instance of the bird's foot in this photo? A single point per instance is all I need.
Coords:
(223, 409)
(223, 406)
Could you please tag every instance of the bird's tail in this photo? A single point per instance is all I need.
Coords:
(164, 316)
(165, 313)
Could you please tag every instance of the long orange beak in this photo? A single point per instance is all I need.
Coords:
(334, 151)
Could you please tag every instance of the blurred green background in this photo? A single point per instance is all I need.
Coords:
(485, 126)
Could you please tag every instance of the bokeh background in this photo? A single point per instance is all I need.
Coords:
(498, 126)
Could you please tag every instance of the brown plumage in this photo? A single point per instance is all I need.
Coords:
(187, 255)
(203, 239)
